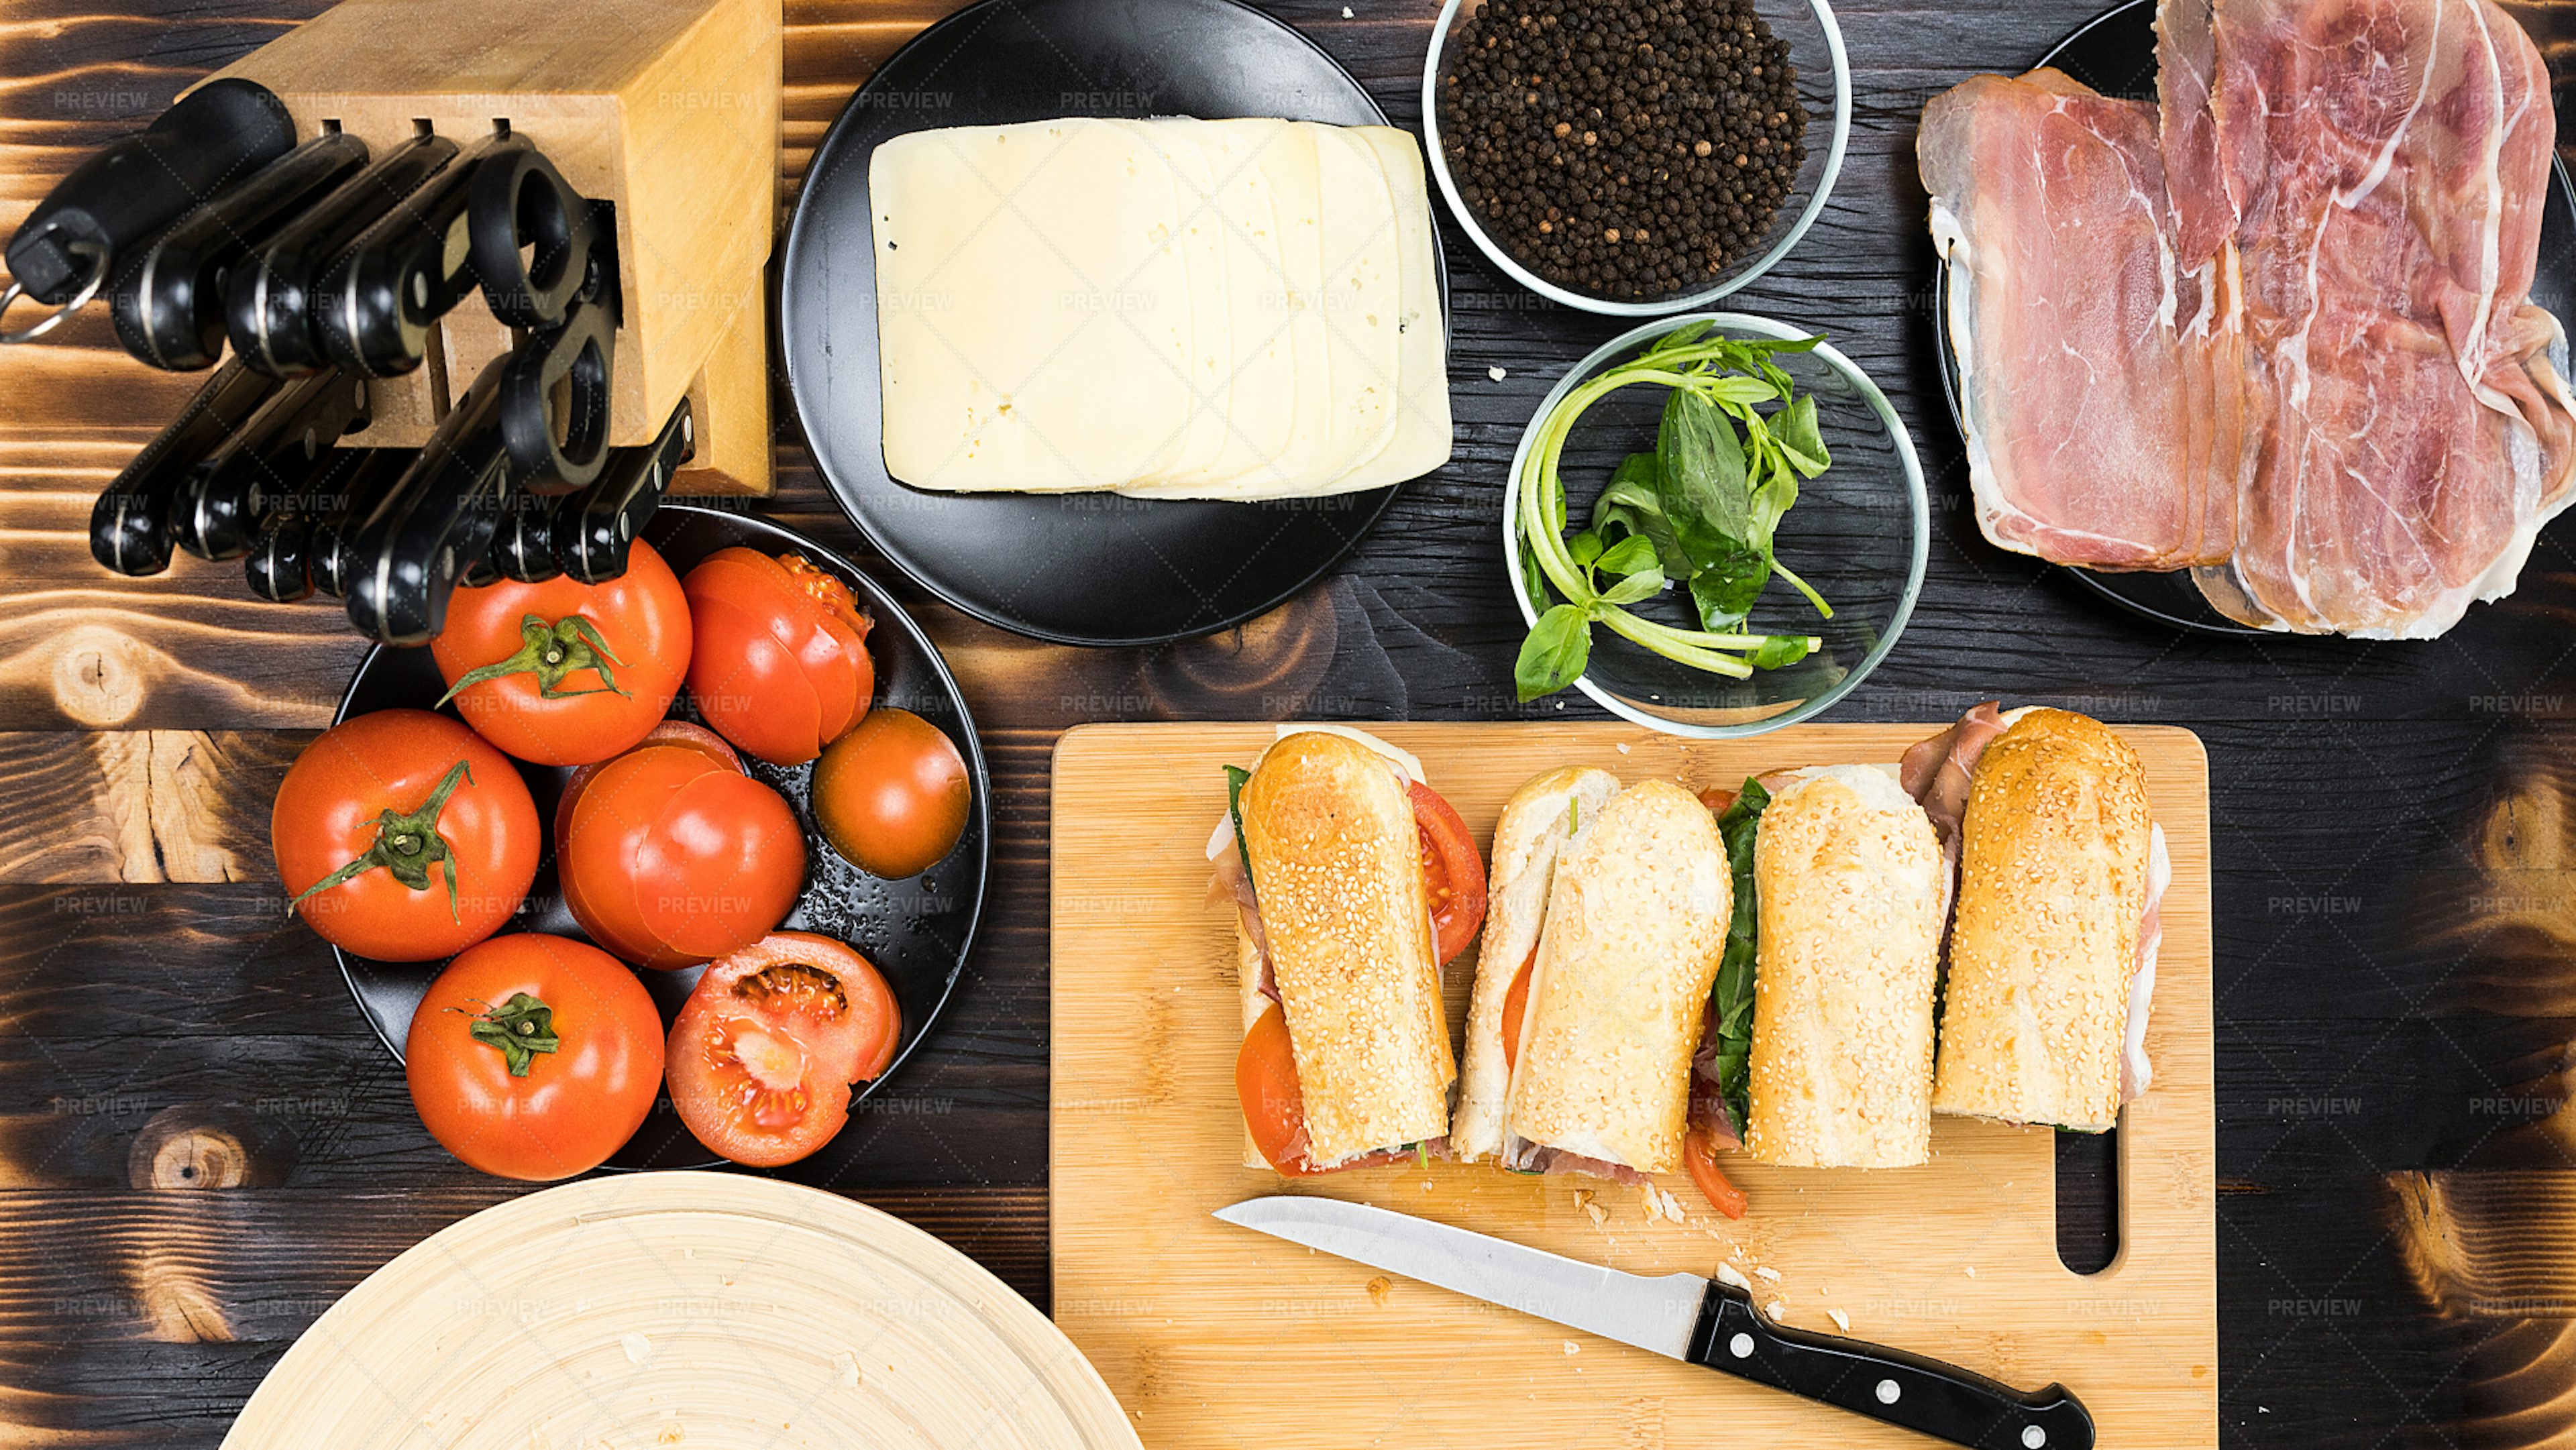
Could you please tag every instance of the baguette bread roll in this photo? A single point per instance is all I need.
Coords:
(2052, 888)
(1337, 864)
(1636, 924)
(1848, 886)
(1542, 818)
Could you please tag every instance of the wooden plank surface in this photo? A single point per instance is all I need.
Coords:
(2396, 971)
(1147, 1138)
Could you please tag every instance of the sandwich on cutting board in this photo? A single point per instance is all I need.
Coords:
(1354, 882)
(1608, 918)
(2053, 944)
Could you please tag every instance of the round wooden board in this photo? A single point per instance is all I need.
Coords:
(699, 1309)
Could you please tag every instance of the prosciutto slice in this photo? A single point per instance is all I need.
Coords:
(2277, 327)
(2085, 351)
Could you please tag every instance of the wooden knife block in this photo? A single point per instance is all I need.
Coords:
(668, 109)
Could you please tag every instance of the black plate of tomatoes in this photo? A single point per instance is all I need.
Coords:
(738, 841)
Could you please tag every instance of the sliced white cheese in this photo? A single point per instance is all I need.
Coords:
(1358, 299)
(1198, 237)
(1033, 324)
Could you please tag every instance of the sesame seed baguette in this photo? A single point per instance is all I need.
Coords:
(2053, 884)
(1848, 882)
(1337, 860)
(1539, 822)
(1635, 926)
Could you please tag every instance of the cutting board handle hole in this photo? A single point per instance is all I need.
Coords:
(2088, 1200)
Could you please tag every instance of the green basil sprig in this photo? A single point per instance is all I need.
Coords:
(1740, 824)
(1699, 511)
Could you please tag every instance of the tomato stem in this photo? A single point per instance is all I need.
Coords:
(407, 845)
(550, 652)
(519, 1029)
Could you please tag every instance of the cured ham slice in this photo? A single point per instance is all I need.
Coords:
(2276, 329)
(2085, 353)
(2389, 160)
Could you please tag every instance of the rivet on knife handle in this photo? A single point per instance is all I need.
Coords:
(596, 528)
(1904, 1389)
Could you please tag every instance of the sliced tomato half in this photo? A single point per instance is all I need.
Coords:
(763, 1054)
(1452, 870)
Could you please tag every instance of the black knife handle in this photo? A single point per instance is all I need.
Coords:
(523, 544)
(375, 303)
(135, 185)
(595, 529)
(268, 301)
(532, 236)
(555, 394)
(269, 464)
(279, 565)
(1902, 1389)
(129, 528)
(168, 299)
(371, 477)
(436, 524)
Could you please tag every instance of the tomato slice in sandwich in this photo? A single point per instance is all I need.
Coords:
(1516, 1011)
(1452, 870)
(1274, 1104)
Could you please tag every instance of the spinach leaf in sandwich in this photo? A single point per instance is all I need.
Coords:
(1235, 776)
(1739, 824)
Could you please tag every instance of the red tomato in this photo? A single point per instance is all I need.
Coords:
(781, 667)
(1452, 869)
(1699, 1155)
(402, 836)
(669, 857)
(891, 796)
(566, 673)
(763, 1055)
(1274, 1103)
(534, 1057)
(1516, 1010)
(670, 732)
(1717, 798)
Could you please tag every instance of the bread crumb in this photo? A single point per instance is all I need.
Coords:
(1572, 1348)
(1841, 1320)
(1767, 1272)
(1497, 374)
(638, 1348)
(1972, 1271)
(1732, 1278)
(1346, 12)
(845, 1370)
(1625, 747)
(1379, 1287)
(1661, 1206)
(1777, 1309)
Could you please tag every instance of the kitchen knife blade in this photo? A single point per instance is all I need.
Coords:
(136, 185)
(129, 528)
(167, 300)
(1684, 1317)
(268, 300)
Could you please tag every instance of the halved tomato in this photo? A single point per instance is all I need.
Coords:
(1452, 869)
(763, 1054)
(668, 855)
(780, 666)
(565, 673)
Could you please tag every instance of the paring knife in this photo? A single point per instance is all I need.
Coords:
(1684, 1317)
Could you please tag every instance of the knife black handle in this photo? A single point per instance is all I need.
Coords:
(595, 529)
(129, 528)
(279, 567)
(555, 395)
(532, 238)
(168, 299)
(271, 463)
(372, 475)
(435, 525)
(376, 302)
(1903, 1389)
(523, 543)
(268, 300)
(134, 186)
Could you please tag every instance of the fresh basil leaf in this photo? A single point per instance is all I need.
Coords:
(1534, 584)
(1634, 501)
(1779, 650)
(1235, 776)
(1585, 547)
(1702, 483)
(1794, 427)
(1739, 826)
(1724, 589)
(1645, 583)
(1627, 556)
(1742, 389)
(1554, 654)
(1675, 340)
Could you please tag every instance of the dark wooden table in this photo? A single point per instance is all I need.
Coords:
(201, 1145)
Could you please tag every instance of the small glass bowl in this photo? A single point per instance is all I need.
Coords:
(1808, 27)
(1860, 533)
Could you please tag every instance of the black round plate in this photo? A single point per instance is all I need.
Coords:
(916, 930)
(1087, 568)
(2115, 53)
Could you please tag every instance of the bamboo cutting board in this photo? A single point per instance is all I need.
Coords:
(1215, 1336)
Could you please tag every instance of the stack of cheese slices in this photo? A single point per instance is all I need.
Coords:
(1174, 308)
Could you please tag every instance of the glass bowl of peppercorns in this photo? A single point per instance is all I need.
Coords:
(1636, 157)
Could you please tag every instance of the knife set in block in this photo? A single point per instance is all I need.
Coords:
(476, 287)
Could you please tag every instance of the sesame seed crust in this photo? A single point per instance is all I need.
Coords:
(1847, 875)
(1336, 858)
(1636, 924)
(2052, 888)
